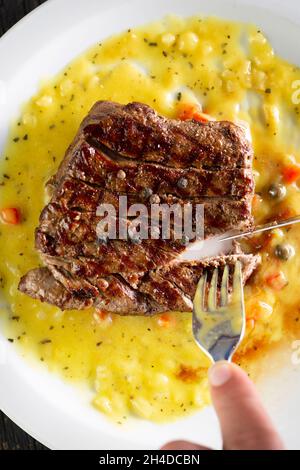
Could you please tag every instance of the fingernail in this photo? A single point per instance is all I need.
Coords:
(219, 374)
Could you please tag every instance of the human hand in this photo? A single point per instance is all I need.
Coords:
(245, 425)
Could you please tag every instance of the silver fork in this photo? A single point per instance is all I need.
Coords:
(219, 320)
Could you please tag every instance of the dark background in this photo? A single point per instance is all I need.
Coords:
(12, 437)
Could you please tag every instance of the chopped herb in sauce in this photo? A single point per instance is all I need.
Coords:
(46, 341)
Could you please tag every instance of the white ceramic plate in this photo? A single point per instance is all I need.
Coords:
(53, 412)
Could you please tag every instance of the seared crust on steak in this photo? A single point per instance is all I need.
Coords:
(132, 151)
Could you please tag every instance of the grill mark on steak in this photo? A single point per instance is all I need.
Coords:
(214, 159)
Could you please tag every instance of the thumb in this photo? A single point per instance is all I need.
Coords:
(245, 425)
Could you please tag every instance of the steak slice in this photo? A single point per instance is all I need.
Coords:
(72, 234)
(131, 150)
(220, 214)
(40, 284)
(136, 131)
(131, 177)
(161, 290)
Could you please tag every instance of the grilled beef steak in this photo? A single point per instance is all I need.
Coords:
(130, 150)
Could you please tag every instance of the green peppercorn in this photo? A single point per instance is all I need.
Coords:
(185, 240)
(277, 191)
(146, 193)
(182, 183)
(154, 199)
(284, 251)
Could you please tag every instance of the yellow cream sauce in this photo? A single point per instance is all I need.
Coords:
(150, 367)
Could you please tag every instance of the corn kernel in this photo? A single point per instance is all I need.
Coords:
(29, 120)
(266, 309)
(104, 404)
(94, 81)
(272, 116)
(45, 101)
(66, 87)
(168, 39)
(230, 87)
(188, 41)
(141, 407)
(259, 79)
(162, 379)
(206, 48)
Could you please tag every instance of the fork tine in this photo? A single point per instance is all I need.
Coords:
(199, 299)
(224, 286)
(237, 281)
(212, 293)
(218, 329)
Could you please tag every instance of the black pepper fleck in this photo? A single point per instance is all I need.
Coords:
(46, 341)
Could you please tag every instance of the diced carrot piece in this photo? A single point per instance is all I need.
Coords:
(250, 324)
(164, 320)
(290, 174)
(254, 313)
(186, 112)
(188, 374)
(102, 315)
(276, 281)
(258, 310)
(256, 201)
(202, 117)
(192, 111)
(284, 213)
(261, 242)
(10, 215)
